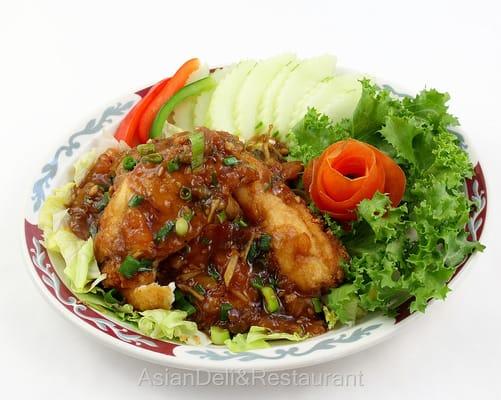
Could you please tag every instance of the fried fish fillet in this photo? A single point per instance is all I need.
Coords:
(126, 230)
(250, 188)
(305, 253)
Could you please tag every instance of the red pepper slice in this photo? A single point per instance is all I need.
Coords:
(127, 130)
(176, 82)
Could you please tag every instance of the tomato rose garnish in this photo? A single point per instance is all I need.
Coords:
(348, 172)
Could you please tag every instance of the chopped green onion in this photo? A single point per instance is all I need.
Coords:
(182, 226)
(101, 204)
(113, 296)
(271, 303)
(317, 304)
(147, 148)
(213, 272)
(257, 282)
(252, 253)
(264, 242)
(130, 266)
(181, 303)
(154, 158)
(219, 335)
(241, 223)
(259, 246)
(224, 310)
(129, 163)
(230, 161)
(273, 281)
(178, 295)
(164, 231)
(135, 200)
(188, 214)
(213, 178)
(185, 193)
(199, 288)
(221, 216)
(197, 140)
(173, 165)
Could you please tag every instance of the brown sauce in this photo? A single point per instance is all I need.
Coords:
(218, 239)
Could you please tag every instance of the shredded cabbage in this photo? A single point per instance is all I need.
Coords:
(98, 300)
(330, 317)
(54, 204)
(257, 338)
(81, 267)
(83, 165)
(171, 324)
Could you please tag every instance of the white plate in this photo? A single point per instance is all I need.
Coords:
(46, 272)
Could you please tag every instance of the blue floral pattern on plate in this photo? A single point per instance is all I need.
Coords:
(92, 127)
(294, 351)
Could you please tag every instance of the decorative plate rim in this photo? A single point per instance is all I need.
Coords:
(315, 350)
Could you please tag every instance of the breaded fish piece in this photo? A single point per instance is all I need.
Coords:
(305, 253)
(150, 297)
(122, 230)
(136, 230)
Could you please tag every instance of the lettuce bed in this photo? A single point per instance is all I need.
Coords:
(411, 251)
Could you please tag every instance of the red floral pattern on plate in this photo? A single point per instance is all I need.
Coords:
(54, 285)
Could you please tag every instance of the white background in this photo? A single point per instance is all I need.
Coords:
(58, 60)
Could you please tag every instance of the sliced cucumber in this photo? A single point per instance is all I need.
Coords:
(315, 96)
(267, 104)
(220, 113)
(202, 102)
(299, 82)
(249, 97)
(183, 114)
(336, 97)
(341, 106)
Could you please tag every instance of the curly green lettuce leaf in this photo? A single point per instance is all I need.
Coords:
(410, 137)
(258, 338)
(313, 134)
(431, 105)
(411, 251)
(371, 112)
(450, 164)
(171, 324)
(343, 301)
(384, 220)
